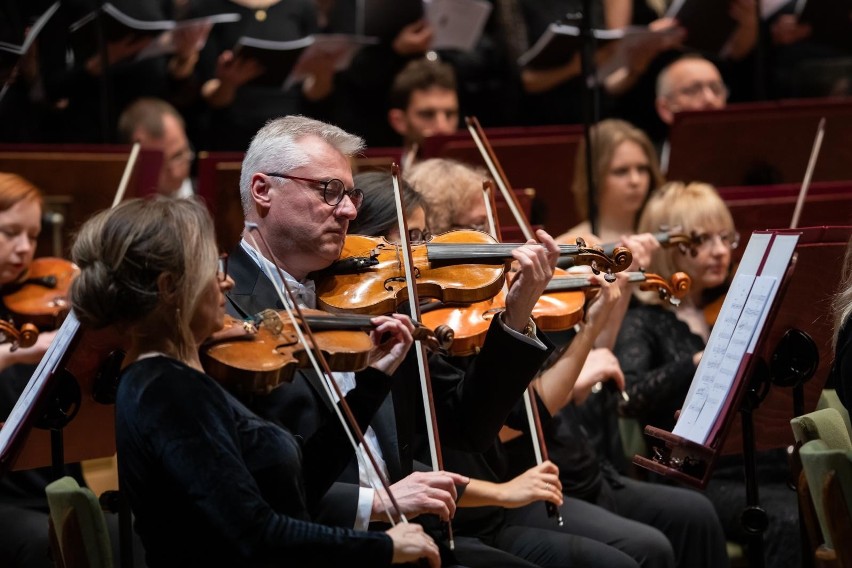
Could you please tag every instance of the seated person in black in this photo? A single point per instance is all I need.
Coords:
(209, 482)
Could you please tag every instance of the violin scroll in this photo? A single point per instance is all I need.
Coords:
(595, 257)
(672, 290)
(24, 337)
(439, 339)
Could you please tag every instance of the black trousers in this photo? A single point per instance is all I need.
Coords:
(653, 525)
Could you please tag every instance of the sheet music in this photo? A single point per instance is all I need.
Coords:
(746, 271)
(703, 389)
(336, 50)
(723, 379)
(736, 332)
(740, 323)
(776, 265)
(164, 44)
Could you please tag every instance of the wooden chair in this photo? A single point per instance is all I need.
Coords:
(828, 427)
(78, 531)
(829, 475)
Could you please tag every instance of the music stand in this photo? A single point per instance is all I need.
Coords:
(786, 349)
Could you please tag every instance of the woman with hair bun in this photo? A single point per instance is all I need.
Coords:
(209, 482)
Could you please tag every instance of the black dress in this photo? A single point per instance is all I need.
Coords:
(655, 351)
(212, 484)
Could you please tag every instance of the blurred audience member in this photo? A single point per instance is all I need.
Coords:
(156, 124)
(423, 102)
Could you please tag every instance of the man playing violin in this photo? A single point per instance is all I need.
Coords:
(295, 185)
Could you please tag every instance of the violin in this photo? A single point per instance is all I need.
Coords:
(685, 243)
(667, 239)
(553, 312)
(672, 290)
(40, 297)
(469, 322)
(455, 267)
(254, 356)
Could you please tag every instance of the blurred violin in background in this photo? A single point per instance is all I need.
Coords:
(559, 308)
(672, 290)
(40, 296)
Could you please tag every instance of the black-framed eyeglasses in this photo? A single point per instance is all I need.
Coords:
(419, 235)
(222, 269)
(333, 189)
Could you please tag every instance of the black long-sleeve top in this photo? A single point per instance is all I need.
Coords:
(212, 484)
(655, 351)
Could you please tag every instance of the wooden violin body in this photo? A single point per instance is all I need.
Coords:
(556, 311)
(40, 297)
(379, 286)
(469, 322)
(254, 359)
(257, 356)
(454, 267)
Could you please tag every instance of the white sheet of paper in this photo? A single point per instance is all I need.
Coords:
(457, 24)
(722, 381)
(740, 323)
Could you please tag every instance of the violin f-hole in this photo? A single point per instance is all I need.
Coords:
(388, 281)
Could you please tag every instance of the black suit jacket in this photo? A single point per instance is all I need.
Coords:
(471, 407)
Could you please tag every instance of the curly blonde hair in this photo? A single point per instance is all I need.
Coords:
(447, 186)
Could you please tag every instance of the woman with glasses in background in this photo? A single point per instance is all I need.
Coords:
(659, 348)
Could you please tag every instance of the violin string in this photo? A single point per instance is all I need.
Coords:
(330, 386)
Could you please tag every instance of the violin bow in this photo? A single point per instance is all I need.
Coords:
(125, 176)
(320, 365)
(497, 173)
(414, 311)
(806, 182)
(539, 444)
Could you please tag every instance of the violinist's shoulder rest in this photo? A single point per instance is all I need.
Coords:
(351, 265)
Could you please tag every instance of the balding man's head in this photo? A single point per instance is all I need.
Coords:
(689, 83)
